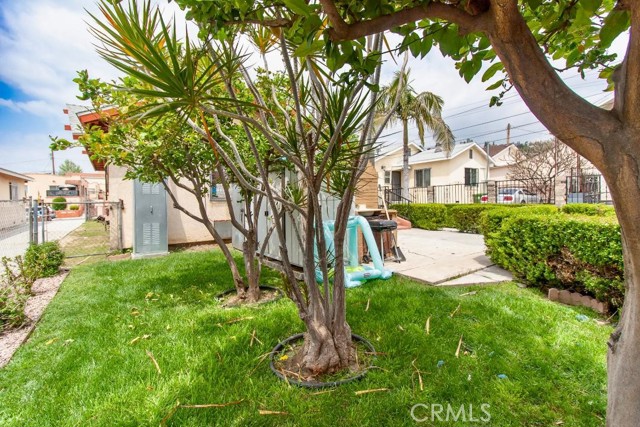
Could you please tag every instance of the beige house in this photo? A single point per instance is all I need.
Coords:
(503, 157)
(13, 185)
(75, 187)
(467, 164)
(176, 227)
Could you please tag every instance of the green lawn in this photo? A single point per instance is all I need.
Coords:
(87, 363)
(91, 238)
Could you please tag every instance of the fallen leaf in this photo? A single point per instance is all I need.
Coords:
(285, 357)
(213, 405)
(135, 340)
(51, 341)
(373, 390)
(266, 412)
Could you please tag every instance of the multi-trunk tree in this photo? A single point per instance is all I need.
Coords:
(520, 39)
(322, 133)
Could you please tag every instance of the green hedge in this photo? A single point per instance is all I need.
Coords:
(491, 220)
(588, 209)
(581, 253)
(432, 216)
(464, 217)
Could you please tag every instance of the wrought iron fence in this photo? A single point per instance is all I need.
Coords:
(505, 191)
(587, 186)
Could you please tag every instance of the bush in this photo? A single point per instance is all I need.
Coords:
(588, 209)
(74, 207)
(15, 288)
(432, 216)
(579, 253)
(59, 203)
(467, 218)
(491, 220)
(43, 260)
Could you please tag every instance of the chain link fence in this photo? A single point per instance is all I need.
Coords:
(15, 227)
(83, 229)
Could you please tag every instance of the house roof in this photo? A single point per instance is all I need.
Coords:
(388, 148)
(431, 155)
(79, 117)
(15, 174)
(495, 149)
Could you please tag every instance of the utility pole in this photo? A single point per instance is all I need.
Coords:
(486, 149)
(53, 164)
(508, 133)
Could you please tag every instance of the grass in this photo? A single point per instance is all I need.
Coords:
(89, 361)
(91, 238)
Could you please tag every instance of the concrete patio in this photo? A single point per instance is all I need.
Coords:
(446, 258)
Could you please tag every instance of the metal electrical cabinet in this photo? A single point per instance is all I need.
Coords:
(150, 220)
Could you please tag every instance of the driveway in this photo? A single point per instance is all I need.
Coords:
(445, 258)
(16, 243)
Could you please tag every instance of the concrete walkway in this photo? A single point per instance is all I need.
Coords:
(17, 243)
(446, 258)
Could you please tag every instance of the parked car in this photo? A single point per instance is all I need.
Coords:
(513, 195)
(49, 213)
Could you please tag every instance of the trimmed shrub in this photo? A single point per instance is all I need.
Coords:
(59, 204)
(579, 253)
(74, 207)
(43, 260)
(431, 216)
(588, 209)
(467, 218)
(491, 220)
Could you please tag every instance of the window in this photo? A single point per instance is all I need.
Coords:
(471, 154)
(387, 177)
(13, 191)
(423, 178)
(216, 191)
(470, 176)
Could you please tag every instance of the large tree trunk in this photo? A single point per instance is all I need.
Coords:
(405, 159)
(327, 348)
(623, 408)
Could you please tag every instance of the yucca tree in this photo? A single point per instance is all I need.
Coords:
(424, 109)
(321, 132)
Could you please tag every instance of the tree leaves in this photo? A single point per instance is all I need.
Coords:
(615, 23)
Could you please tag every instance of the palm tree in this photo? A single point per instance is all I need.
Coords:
(424, 109)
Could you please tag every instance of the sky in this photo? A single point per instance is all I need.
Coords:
(43, 43)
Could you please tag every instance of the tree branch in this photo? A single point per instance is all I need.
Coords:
(427, 10)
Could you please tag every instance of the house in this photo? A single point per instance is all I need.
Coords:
(13, 202)
(13, 185)
(81, 189)
(431, 169)
(146, 216)
(503, 156)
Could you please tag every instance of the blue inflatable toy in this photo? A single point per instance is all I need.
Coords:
(356, 273)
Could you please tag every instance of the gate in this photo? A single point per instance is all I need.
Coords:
(83, 229)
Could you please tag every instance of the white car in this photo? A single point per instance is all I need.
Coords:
(513, 195)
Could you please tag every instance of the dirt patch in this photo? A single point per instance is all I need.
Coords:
(43, 292)
(231, 299)
(285, 362)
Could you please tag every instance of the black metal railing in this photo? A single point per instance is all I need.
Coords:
(587, 186)
(504, 191)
